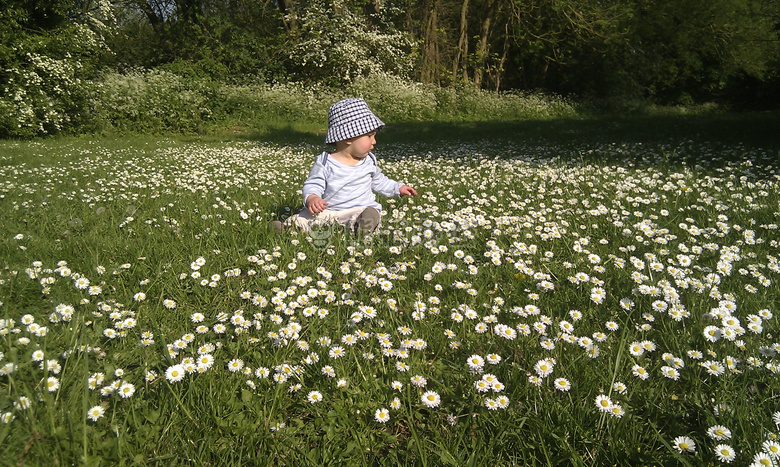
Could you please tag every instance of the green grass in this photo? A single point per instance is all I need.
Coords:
(529, 205)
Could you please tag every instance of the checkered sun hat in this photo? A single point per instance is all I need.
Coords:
(350, 118)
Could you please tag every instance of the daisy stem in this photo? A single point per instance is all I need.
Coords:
(270, 415)
(116, 428)
(360, 368)
(84, 409)
(618, 357)
(414, 432)
(181, 404)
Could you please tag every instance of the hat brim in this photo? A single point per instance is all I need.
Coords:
(353, 129)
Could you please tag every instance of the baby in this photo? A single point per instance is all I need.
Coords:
(341, 184)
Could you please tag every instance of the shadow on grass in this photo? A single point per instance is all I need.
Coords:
(759, 130)
(289, 134)
(753, 130)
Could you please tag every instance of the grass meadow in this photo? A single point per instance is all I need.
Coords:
(561, 292)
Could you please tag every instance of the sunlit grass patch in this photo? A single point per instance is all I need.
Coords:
(537, 303)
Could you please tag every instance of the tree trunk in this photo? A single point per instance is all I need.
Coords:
(287, 7)
(371, 11)
(430, 51)
(463, 44)
(482, 51)
(502, 62)
(154, 19)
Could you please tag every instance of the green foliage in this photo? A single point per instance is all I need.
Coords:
(678, 52)
(61, 62)
(215, 39)
(568, 45)
(691, 49)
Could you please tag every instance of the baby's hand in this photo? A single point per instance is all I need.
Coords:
(316, 204)
(406, 190)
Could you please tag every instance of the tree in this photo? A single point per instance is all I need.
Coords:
(689, 49)
(224, 39)
(565, 45)
(669, 50)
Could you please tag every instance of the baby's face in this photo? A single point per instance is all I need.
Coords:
(363, 144)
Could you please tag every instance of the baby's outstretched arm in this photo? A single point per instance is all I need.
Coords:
(406, 190)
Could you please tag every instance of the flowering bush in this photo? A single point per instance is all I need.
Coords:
(45, 94)
(396, 99)
(335, 46)
(158, 101)
(44, 76)
(151, 101)
(468, 103)
(263, 102)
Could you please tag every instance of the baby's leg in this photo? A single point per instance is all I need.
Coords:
(304, 219)
(348, 217)
(359, 220)
(367, 222)
(301, 221)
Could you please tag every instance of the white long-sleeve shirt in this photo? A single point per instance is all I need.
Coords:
(348, 186)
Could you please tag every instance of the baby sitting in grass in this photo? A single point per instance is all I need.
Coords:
(341, 184)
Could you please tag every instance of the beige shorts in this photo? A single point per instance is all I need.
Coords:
(304, 219)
